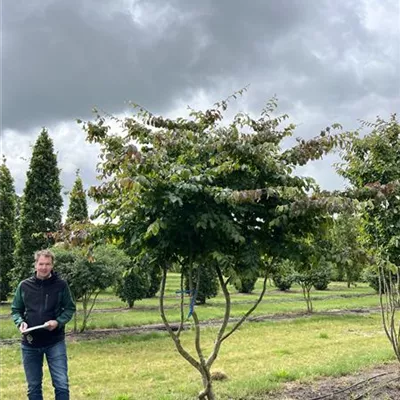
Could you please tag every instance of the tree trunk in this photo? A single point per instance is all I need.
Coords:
(389, 298)
(309, 301)
(201, 364)
(85, 316)
(208, 392)
(75, 322)
(307, 297)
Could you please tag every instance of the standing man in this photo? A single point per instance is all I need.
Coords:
(44, 299)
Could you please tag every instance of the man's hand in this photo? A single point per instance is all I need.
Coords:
(51, 325)
(23, 327)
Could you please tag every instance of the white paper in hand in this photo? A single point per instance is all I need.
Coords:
(33, 328)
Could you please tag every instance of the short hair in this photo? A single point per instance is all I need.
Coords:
(44, 253)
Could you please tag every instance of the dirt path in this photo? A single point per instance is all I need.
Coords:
(378, 383)
(136, 330)
(93, 334)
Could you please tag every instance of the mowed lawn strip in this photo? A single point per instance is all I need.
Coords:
(107, 299)
(140, 316)
(275, 302)
(257, 358)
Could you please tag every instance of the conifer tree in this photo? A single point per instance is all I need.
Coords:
(77, 210)
(18, 204)
(7, 229)
(40, 212)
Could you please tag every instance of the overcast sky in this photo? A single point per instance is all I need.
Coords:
(326, 60)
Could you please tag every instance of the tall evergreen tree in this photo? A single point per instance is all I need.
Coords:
(77, 210)
(7, 229)
(40, 211)
(18, 204)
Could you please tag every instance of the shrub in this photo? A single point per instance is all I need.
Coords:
(322, 276)
(154, 277)
(88, 276)
(370, 276)
(133, 285)
(283, 282)
(246, 283)
(284, 275)
(208, 286)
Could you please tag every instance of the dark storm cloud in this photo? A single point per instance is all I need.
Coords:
(62, 58)
(328, 61)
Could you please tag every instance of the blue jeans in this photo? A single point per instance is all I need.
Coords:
(56, 356)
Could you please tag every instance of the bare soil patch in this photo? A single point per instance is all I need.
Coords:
(378, 383)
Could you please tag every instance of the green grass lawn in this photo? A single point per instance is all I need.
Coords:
(273, 304)
(146, 311)
(257, 358)
(107, 299)
(142, 317)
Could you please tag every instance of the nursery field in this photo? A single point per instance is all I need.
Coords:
(282, 344)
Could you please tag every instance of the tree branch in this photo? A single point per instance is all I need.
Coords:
(240, 322)
(185, 354)
(181, 308)
(225, 321)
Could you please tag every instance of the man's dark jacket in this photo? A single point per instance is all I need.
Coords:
(37, 301)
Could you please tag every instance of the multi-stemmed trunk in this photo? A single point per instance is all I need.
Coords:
(307, 296)
(389, 296)
(86, 309)
(201, 363)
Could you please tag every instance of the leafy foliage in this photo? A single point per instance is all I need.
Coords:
(132, 285)
(284, 275)
(41, 206)
(18, 205)
(87, 276)
(205, 280)
(322, 276)
(141, 279)
(7, 229)
(203, 193)
(312, 261)
(350, 252)
(77, 210)
(154, 281)
(372, 165)
(246, 283)
(371, 276)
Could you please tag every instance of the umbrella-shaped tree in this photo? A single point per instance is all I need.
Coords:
(202, 193)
